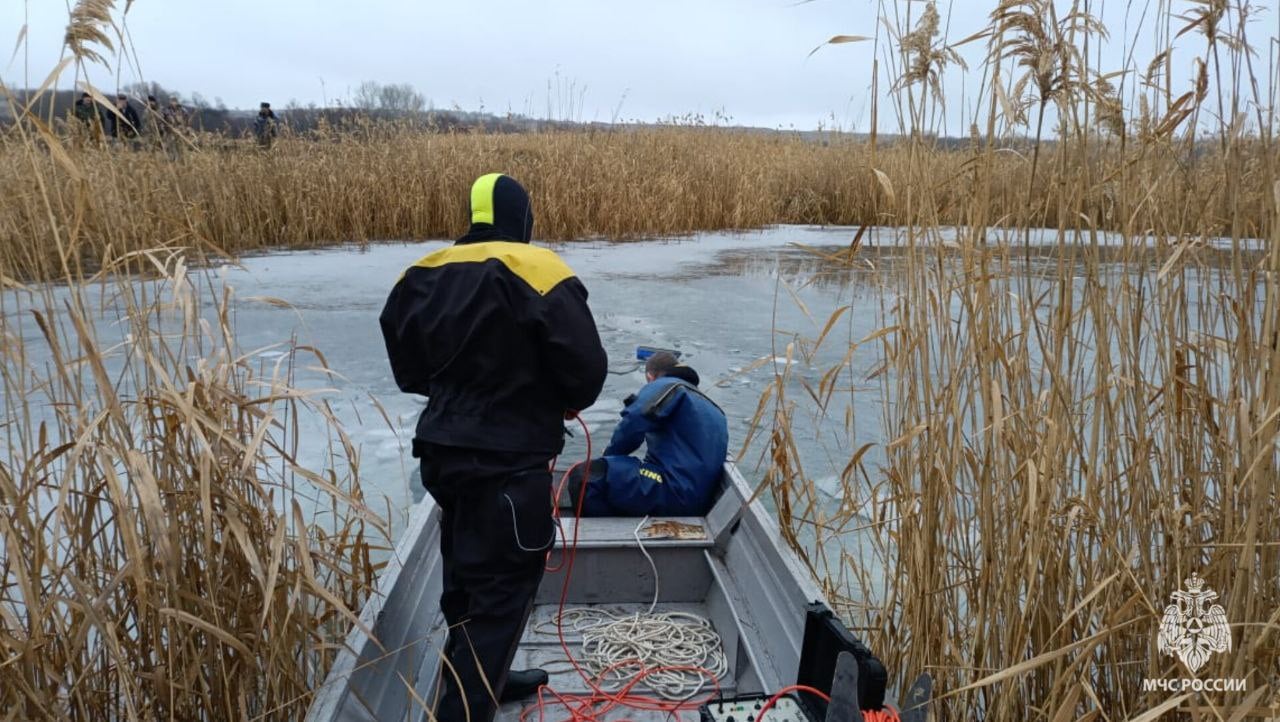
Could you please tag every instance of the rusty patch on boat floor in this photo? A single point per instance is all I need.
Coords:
(667, 529)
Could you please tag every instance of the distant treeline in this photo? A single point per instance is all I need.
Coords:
(304, 120)
(216, 117)
(378, 103)
(375, 104)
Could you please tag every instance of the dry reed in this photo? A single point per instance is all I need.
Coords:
(169, 554)
(170, 548)
(1069, 433)
(384, 182)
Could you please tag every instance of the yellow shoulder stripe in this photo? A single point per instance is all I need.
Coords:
(541, 268)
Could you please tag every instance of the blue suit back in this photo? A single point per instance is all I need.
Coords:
(686, 438)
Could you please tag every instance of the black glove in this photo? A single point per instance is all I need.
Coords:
(629, 400)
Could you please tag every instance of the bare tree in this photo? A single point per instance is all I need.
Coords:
(367, 96)
(142, 90)
(401, 98)
(390, 98)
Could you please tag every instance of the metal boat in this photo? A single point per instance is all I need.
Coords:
(730, 567)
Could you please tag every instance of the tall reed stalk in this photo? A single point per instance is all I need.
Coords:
(170, 547)
(1071, 431)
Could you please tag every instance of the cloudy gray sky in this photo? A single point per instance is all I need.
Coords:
(590, 59)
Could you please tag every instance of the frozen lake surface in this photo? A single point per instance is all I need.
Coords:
(714, 297)
(730, 302)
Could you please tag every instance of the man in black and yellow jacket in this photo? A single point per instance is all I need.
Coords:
(497, 335)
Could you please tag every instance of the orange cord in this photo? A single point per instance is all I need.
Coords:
(888, 714)
(593, 706)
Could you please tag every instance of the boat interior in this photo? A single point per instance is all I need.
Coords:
(729, 567)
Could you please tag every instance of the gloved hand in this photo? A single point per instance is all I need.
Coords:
(629, 400)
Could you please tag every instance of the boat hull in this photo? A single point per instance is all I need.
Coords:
(731, 567)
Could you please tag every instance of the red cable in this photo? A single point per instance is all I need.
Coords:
(555, 512)
(784, 691)
(888, 714)
(583, 707)
(593, 706)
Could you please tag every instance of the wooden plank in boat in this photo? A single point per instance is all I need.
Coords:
(602, 532)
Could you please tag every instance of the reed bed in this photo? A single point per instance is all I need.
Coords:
(1061, 455)
(170, 546)
(168, 552)
(1071, 431)
(378, 181)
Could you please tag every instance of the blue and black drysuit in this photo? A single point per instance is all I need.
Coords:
(686, 437)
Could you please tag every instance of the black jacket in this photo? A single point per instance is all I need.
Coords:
(130, 127)
(498, 336)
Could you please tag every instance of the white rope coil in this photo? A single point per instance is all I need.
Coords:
(615, 647)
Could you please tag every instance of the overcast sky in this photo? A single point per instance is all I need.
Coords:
(637, 59)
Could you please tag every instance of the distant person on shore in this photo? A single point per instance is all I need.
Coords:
(154, 122)
(264, 126)
(174, 117)
(173, 120)
(686, 437)
(123, 125)
(85, 110)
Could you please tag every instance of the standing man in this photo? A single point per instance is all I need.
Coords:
(85, 111)
(173, 120)
(174, 117)
(154, 123)
(498, 336)
(153, 111)
(123, 125)
(264, 126)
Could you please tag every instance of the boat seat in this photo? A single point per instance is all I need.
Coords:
(602, 532)
(691, 531)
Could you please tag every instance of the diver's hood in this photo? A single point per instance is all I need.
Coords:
(500, 211)
(684, 373)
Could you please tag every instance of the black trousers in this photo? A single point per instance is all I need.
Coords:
(496, 528)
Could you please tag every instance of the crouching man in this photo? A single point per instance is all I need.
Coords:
(686, 438)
